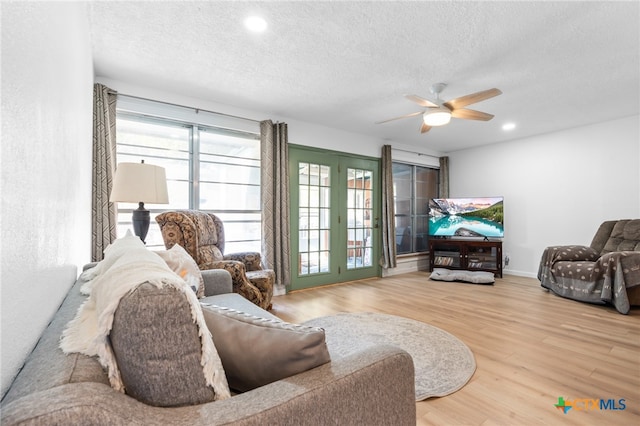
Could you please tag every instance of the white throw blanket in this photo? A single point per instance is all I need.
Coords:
(88, 332)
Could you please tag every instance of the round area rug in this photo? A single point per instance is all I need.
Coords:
(443, 364)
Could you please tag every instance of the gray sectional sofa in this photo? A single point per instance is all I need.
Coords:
(373, 387)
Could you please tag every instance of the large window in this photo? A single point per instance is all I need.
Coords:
(208, 168)
(413, 186)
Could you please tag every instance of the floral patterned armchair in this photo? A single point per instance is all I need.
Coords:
(202, 236)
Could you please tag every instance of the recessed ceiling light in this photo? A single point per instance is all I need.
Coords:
(508, 126)
(255, 24)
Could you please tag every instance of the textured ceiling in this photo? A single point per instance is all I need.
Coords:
(347, 64)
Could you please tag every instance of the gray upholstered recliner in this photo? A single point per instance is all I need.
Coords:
(202, 236)
(608, 271)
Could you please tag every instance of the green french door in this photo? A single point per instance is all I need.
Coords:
(335, 211)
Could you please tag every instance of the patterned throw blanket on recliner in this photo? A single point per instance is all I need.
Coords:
(580, 273)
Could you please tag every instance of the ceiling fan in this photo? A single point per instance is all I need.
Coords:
(439, 113)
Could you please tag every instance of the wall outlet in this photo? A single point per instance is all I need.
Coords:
(506, 260)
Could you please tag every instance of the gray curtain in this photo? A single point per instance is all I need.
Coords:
(103, 213)
(388, 258)
(444, 177)
(275, 200)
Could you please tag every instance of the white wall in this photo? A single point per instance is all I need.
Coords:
(558, 187)
(47, 86)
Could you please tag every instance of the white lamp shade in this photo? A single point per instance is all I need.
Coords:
(437, 116)
(139, 182)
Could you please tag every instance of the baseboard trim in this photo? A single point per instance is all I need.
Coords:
(520, 273)
(408, 264)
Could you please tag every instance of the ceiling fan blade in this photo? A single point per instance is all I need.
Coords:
(421, 101)
(425, 128)
(469, 114)
(413, 114)
(473, 98)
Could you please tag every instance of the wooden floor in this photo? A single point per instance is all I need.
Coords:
(531, 346)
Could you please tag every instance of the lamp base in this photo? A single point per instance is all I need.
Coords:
(141, 220)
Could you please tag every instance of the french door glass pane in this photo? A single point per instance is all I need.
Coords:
(314, 219)
(359, 214)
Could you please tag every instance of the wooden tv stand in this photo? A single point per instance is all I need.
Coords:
(471, 255)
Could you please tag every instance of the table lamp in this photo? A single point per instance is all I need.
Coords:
(140, 183)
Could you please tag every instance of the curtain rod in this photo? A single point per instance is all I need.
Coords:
(420, 154)
(189, 107)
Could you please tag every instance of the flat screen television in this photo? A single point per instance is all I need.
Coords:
(466, 217)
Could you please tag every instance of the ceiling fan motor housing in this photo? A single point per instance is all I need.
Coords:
(437, 88)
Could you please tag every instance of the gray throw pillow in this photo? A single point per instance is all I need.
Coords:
(256, 351)
(157, 348)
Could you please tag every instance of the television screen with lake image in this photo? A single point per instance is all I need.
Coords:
(467, 217)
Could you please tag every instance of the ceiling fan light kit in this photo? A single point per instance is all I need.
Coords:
(436, 116)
